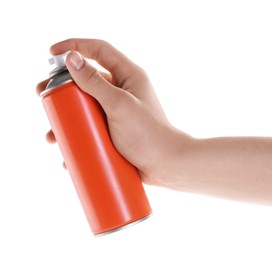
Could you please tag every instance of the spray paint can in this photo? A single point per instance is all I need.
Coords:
(108, 186)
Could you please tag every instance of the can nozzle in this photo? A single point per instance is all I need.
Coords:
(57, 63)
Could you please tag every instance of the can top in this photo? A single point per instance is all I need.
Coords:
(58, 74)
(57, 63)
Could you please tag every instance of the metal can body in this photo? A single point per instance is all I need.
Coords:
(108, 186)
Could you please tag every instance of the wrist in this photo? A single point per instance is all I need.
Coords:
(180, 146)
(168, 159)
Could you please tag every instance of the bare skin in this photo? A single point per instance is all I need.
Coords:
(238, 168)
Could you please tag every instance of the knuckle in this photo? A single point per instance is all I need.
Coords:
(93, 77)
(141, 72)
(71, 43)
(91, 81)
(103, 43)
(102, 48)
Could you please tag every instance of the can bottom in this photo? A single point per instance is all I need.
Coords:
(123, 227)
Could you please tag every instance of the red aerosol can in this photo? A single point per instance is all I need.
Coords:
(108, 186)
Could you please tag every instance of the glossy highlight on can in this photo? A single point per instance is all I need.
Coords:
(108, 186)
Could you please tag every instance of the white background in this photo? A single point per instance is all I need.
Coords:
(211, 66)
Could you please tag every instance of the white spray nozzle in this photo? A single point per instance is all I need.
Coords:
(57, 63)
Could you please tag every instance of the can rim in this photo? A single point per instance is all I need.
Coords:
(123, 227)
(50, 89)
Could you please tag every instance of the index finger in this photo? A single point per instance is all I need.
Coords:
(103, 52)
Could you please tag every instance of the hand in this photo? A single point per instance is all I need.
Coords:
(236, 168)
(138, 126)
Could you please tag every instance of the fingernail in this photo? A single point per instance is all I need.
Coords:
(76, 60)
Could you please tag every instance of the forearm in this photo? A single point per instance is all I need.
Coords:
(238, 168)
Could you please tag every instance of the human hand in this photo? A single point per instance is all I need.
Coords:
(140, 131)
(138, 126)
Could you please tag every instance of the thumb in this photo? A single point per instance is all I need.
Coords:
(90, 80)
